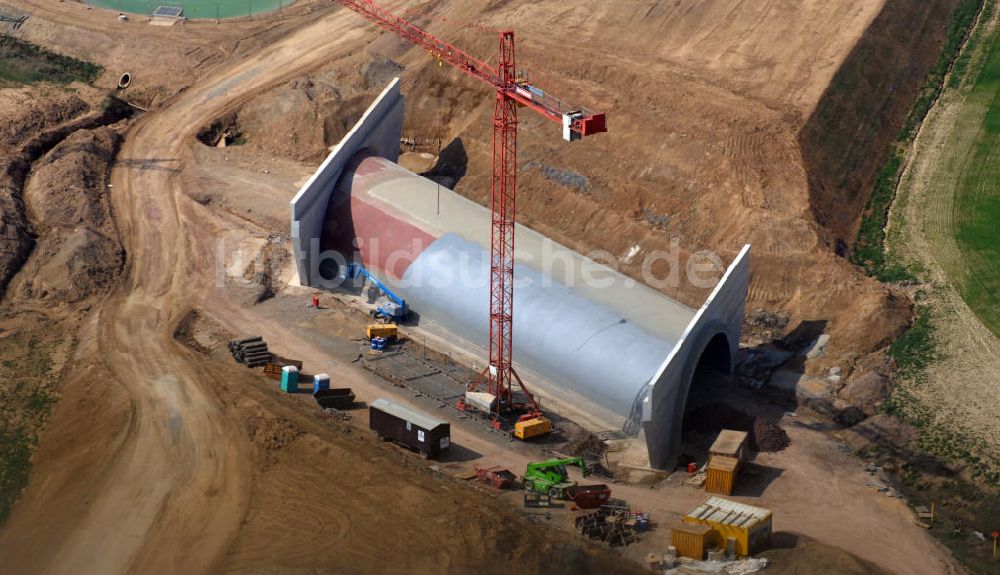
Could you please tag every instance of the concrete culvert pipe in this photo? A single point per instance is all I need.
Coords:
(124, 81)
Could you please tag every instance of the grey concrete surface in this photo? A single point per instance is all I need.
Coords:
(437, 210)
(659, 413)
(575, 342)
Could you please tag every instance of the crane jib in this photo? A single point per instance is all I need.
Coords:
(582, 122)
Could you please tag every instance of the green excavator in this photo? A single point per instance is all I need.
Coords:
(550, 477)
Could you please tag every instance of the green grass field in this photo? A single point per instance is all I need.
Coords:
(199, 9)
(977, 203)
(24, 63)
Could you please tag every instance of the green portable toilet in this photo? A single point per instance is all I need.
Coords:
(289, 379)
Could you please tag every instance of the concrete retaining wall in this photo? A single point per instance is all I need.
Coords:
(659, 411)
(378, 132)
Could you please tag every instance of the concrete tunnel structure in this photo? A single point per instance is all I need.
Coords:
(624, 352)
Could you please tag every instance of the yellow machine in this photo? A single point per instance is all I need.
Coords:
(389, 331)
(532, 425)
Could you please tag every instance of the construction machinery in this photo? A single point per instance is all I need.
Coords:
(512, 90)
(532, 425)
(15, 22)
(387, 331)
(551, 477)
(389, 307)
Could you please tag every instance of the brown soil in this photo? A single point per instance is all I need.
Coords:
(162, 456)
(800, 555)
(28, 116)
(301, 119)
(79, 253)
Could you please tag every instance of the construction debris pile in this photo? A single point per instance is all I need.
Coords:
(672, 565)
(251, 351)
(615, 525)
(767, 436)
(764, 435)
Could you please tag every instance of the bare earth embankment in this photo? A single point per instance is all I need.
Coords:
(163, 456)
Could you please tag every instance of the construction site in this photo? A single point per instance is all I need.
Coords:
(359, 286)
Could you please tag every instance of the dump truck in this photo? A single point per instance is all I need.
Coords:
(551, 477)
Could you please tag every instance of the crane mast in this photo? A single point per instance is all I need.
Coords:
(500, 372)
(511, 92)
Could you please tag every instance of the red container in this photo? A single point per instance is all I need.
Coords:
(589, 496)
(499, 478)
(692, 467)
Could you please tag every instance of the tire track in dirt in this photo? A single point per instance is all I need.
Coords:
(174, 496)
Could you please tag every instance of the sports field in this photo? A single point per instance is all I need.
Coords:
(197, 8)
(976, 218)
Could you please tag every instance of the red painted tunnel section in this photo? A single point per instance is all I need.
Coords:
(365, 230)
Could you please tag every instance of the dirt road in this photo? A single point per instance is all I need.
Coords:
(176, 490)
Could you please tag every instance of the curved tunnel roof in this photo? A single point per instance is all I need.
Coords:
(603, 338)
(620, 353)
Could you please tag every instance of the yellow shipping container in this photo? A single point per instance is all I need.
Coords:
(690, 539)
(532, 427)
(726, 458)
(721, 474)
(748, 526)
(730, 443)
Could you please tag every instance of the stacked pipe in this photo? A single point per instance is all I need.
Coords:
(251, 351)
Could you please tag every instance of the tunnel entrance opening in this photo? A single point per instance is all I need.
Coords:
(702, 421)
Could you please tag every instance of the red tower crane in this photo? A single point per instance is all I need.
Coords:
(511, 91)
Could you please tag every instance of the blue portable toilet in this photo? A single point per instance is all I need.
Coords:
(289, 379)
(321, 381)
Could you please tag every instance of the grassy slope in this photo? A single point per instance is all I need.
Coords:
(944, 232)
(26, 367)
(25, 400)
(977, 204)
(869, 246)
(24, 63)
